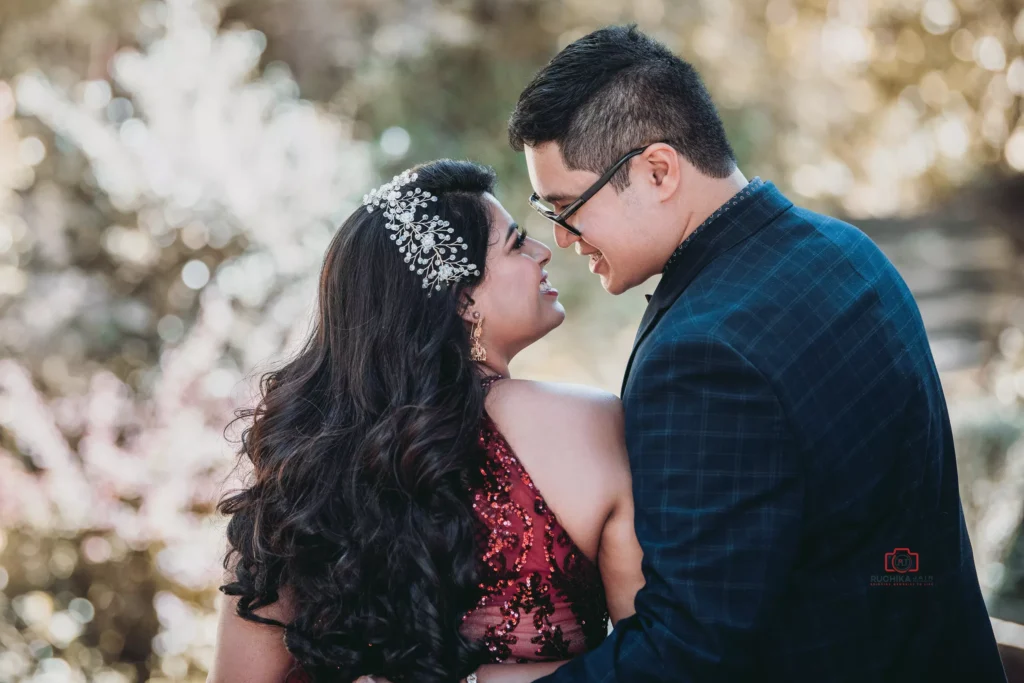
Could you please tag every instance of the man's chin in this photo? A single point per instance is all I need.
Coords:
(612, 285)
(619, 285)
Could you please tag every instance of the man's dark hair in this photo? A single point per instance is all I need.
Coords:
(614, 90)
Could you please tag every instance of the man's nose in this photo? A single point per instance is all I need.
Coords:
(564, 238)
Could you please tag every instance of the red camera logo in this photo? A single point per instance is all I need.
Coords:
(901, 560)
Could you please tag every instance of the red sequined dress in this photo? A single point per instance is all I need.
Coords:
(543, 599)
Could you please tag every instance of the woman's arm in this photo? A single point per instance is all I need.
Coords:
(501, 673)
(619, 555)
(585, 474)
(515, 673)
(619, 561)
(249, 652)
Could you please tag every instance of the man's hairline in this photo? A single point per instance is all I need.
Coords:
(562, 197)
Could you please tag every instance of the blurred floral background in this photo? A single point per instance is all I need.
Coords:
(171, 172)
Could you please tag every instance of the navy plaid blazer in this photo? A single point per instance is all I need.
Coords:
(793, 471)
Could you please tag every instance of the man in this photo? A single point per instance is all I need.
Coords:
(793, 467)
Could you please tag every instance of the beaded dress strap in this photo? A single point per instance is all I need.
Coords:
(488, 381)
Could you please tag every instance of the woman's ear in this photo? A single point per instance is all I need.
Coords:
(468, 312)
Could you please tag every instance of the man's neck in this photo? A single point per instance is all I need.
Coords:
(707, 195)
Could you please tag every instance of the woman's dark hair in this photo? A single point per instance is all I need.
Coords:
(363, 451)
(614, 90)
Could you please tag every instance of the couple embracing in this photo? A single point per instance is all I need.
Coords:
(416, 514)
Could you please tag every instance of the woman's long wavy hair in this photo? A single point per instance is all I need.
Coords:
(363, 451)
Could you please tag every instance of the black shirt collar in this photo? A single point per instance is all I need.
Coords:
(721, 211)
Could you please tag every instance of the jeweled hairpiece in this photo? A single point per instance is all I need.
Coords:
(428, 244)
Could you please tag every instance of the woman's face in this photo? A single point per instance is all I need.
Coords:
(515, 301)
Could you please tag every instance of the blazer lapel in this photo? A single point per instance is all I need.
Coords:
(711, 241)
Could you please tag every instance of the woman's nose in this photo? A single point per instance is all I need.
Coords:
(541, 252)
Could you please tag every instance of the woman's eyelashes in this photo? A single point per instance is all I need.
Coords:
(520, 240)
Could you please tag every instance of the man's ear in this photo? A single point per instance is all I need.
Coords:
(663, 169)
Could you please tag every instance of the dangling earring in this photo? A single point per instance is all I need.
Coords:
(477, 352)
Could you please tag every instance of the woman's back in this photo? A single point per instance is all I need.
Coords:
(543, 593)
(543, 598)
(556, 509)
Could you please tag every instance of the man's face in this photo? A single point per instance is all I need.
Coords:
(613, 223)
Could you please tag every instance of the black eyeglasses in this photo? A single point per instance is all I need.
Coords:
(561, 218)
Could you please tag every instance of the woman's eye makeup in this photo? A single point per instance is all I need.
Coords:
(520, 240)
(514, 229)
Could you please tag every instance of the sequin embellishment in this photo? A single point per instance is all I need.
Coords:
(543, 598)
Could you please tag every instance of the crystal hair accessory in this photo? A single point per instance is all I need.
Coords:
(428, 244)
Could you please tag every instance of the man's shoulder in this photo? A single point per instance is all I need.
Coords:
(791, 285)
(801, 258)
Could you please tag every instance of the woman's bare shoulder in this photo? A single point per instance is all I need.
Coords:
(568, 418)
(576, 400)
(569, 438)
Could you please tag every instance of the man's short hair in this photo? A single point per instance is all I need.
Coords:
(614, 90)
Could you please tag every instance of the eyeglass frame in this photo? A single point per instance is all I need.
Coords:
(561, 217)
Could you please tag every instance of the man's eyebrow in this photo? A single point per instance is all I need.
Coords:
(556, 198)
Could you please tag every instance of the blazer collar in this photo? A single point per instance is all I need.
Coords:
(747, 217)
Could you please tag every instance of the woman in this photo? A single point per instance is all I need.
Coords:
(413, 512)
